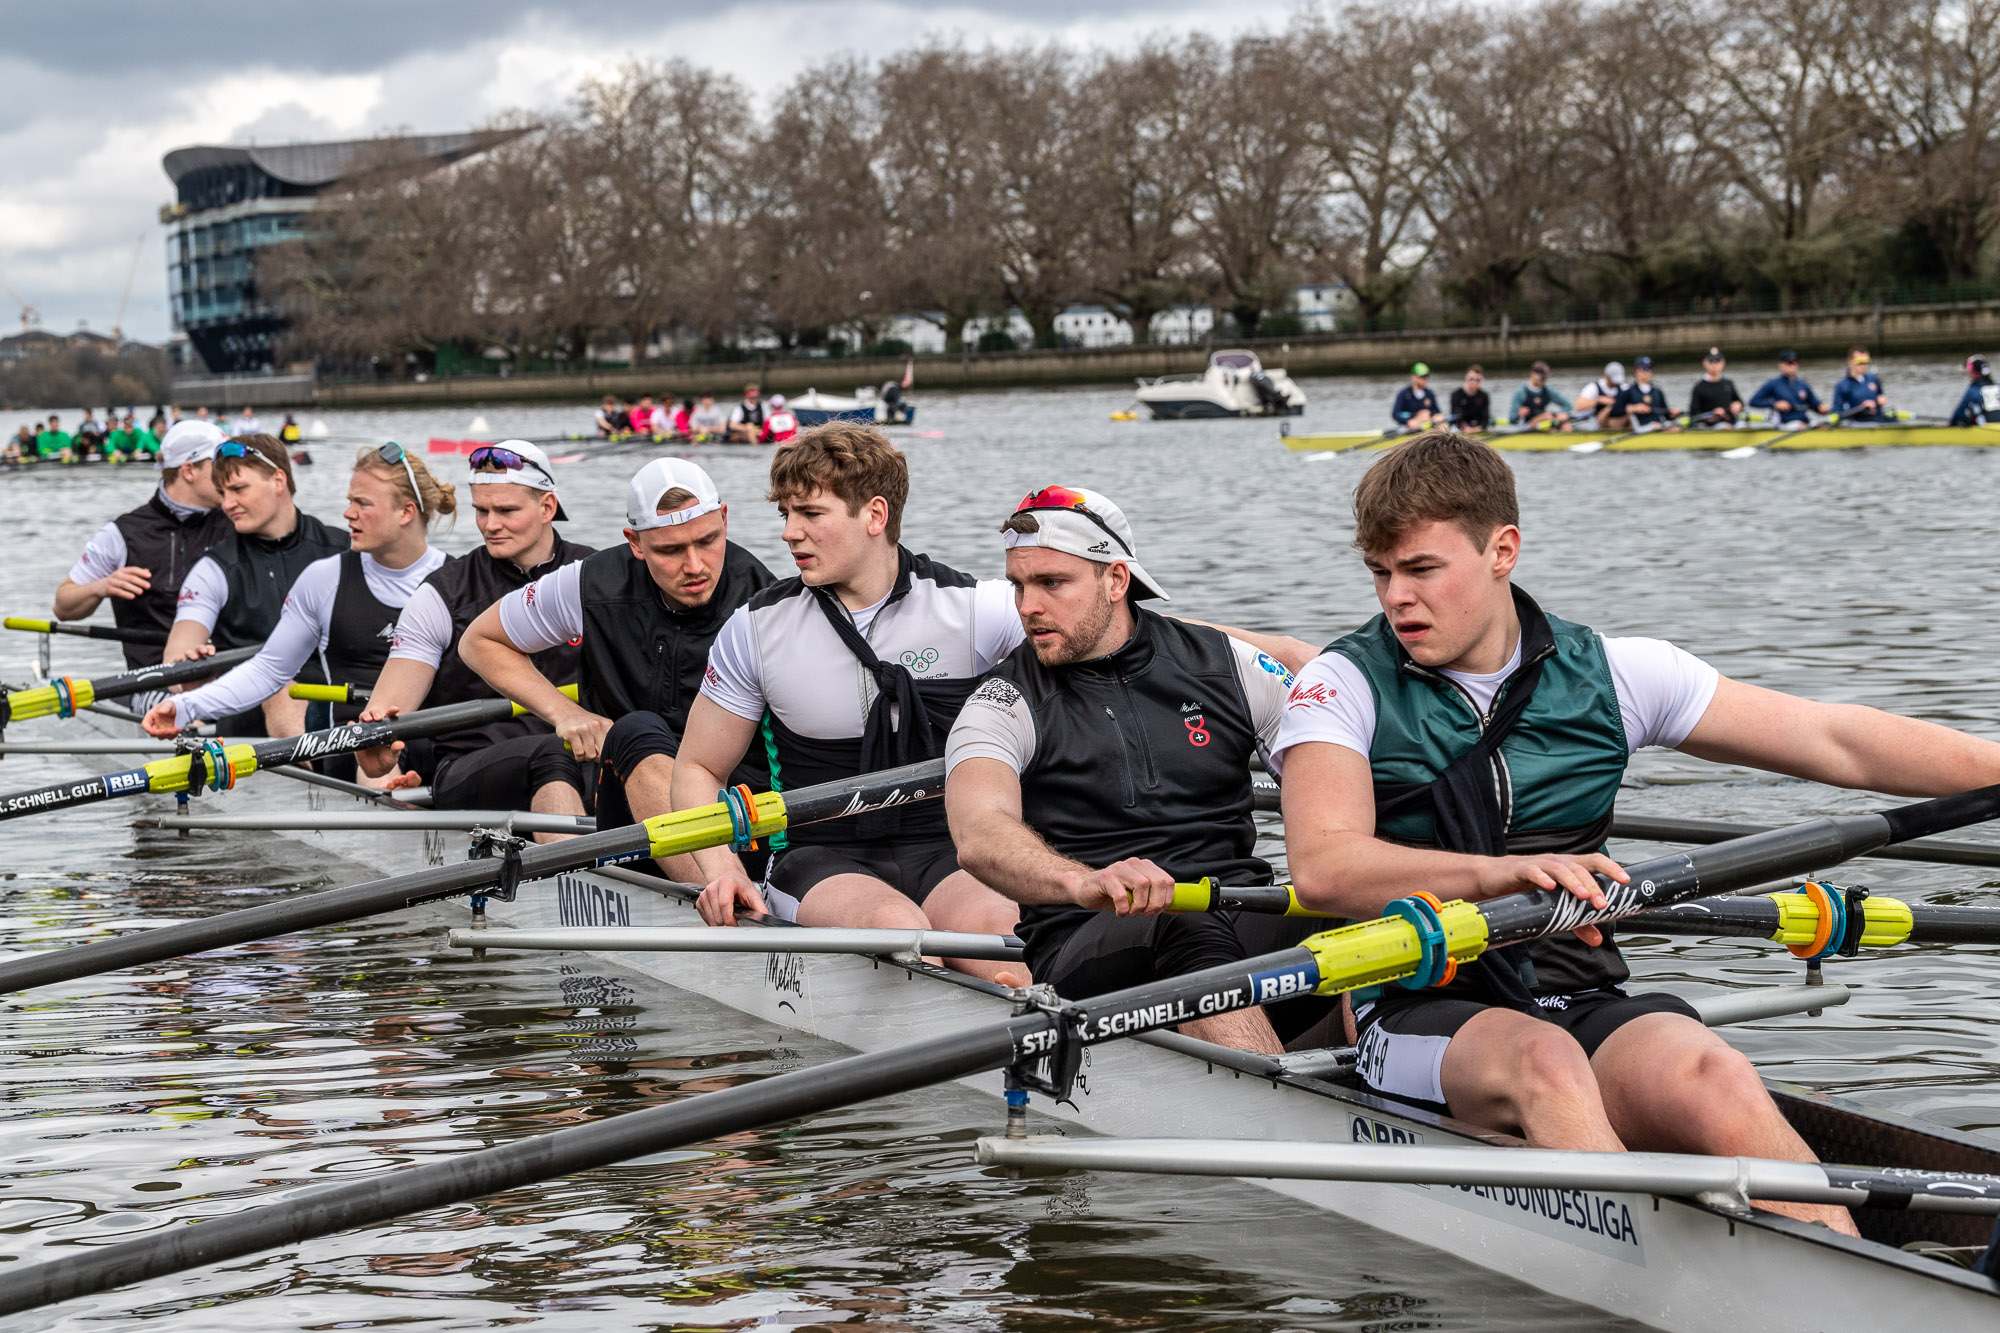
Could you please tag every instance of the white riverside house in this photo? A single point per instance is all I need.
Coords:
(1320, 308)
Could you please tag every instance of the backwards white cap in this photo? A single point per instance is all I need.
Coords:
(1614, 371)
(522, 464)
(649, 483)
(189, 441)
(1084, 523)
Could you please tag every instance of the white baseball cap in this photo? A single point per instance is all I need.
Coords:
(189, 441)
(1086, 524)
(1614, 372)
(649, 483)
(522, 464)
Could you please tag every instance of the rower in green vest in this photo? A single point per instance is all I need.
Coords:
(1466, 744)
(144, 444)
(54, 442)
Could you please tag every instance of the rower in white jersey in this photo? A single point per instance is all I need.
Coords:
(342, 609)
(861, 663)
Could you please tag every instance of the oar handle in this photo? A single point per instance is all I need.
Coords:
(1264, 899)
(116, 633)
(329, 694)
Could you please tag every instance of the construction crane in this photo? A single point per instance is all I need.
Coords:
(30, 316)
(118, 325)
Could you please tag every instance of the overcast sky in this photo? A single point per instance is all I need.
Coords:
(95, 93)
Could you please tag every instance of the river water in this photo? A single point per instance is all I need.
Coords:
(184, 1091)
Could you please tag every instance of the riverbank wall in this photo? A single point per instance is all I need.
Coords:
(1957, 329)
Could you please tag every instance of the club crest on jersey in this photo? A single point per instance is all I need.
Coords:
(917, 663)
(1197, 728)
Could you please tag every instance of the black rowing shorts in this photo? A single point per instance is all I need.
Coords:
(1402, 1040)
(504, 775)
(912, 867)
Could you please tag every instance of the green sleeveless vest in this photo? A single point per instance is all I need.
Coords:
(1560, 767)
(1558, 770)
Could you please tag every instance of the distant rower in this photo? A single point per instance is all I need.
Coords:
(1858, 396)
(1597, 397)
(1416, 408)
(1471, 406)
(1981, 401)
(1641, 406)
(1789, 396)
(1714, 400)
(1538, 401)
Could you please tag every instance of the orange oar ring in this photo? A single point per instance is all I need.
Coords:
(1818, 896)
(1450, 963)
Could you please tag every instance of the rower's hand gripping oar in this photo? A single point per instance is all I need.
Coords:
(737, 819)
(114, 632)
(65, 696)
(1416, 943)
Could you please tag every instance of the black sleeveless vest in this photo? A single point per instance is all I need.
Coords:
(260, 573)
(641, 654)
(469, 584)
(1142, 753)
(166, 545)
(358, 634)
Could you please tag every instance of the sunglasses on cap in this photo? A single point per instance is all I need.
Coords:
(238, 449)
(493, 456)
(391, 452)
(1062, 497)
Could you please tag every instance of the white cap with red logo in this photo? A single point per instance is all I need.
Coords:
(1087, 524)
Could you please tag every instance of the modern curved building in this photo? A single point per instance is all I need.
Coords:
(232, 202)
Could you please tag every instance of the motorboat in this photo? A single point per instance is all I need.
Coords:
(1234, 385)
(868, 407)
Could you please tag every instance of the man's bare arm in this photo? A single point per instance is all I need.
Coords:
(1842, 745)
(712, 745)
(1294, 653)
(75, 601)
(185, 640)
(982, 801)
(486, 648)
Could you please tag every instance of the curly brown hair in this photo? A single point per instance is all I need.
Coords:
(1439, 476)
(843, 458)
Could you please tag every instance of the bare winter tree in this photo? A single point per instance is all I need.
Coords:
(1939, 101)
(937, 177)
(1259, 193)
(819, 234)
(1504, 182)
(1365, 72)
(1139, 115)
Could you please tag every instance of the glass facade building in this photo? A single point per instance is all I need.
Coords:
(233, 202)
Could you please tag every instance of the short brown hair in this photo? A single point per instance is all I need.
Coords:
(855, 462)
(1439, 476)
(270, 446)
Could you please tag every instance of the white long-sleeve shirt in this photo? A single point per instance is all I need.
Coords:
(300, 633)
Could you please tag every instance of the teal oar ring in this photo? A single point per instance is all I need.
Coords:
(742, 817)
(209, 766)
(1436, 966)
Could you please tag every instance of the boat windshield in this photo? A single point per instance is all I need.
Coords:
(1234, 360)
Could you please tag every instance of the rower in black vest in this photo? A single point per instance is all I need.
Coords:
(746, 421)
(860, 662)
(1109, 757)
(511, 765)
(141, 558)
(339, 617)
(1466, 744)
(233, 595)
(645, 614)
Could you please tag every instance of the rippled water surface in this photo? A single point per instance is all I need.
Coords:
(179, 1092)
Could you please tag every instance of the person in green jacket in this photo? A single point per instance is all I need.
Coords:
(53, 442)
(145, 444)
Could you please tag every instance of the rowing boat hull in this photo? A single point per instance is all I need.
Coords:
(1667, 1263)
(1709, 441)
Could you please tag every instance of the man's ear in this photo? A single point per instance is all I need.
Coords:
(1505, 549)
(1121, 580)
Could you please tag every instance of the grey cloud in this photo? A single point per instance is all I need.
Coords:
(193, 37)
